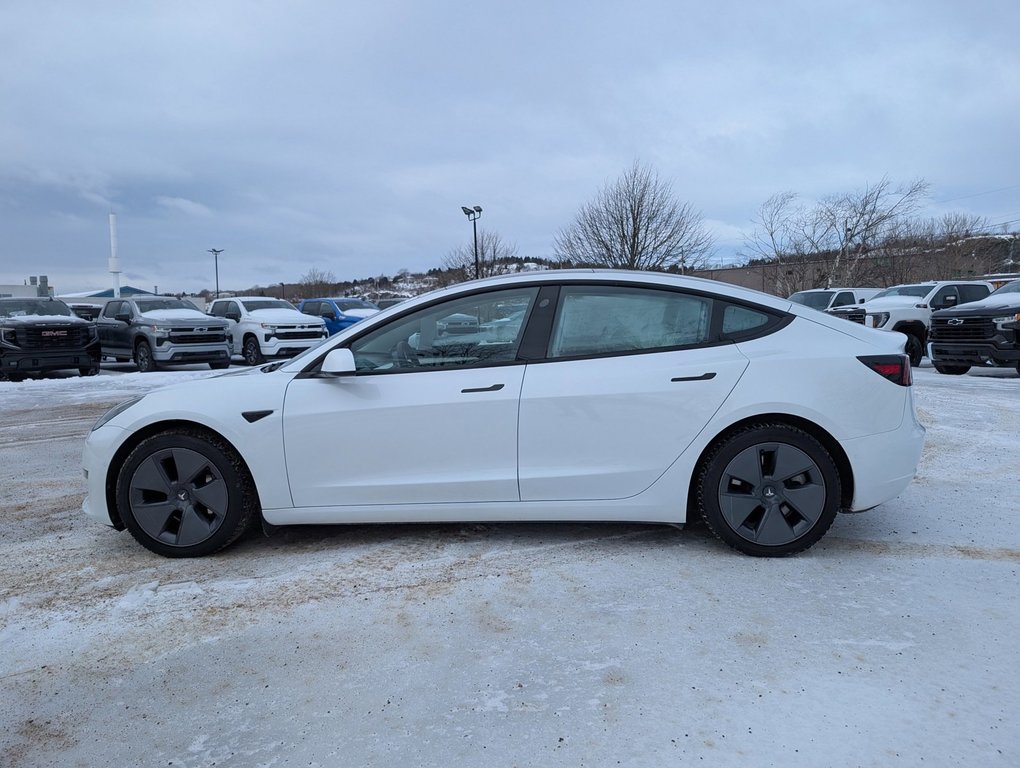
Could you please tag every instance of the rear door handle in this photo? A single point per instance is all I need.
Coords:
(493, 388)
(702, 377)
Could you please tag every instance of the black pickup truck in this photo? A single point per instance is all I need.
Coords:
(982, 333)
(42, 334)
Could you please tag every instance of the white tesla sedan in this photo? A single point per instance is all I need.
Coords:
(583, 395)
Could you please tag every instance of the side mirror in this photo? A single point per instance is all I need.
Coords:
(329, 314)
(235, 316)
(339, 362)
(123, 317)
(951, 300)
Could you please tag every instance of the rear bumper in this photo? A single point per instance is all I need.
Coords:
(885, 463)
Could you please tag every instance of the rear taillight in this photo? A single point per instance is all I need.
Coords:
(896, 368)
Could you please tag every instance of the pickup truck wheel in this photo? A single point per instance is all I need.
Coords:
(770, 490)
(185, 493)
(914, 350)
(219, 366)
(90, 371)
(251, 352)
(143, 357)
(952, 370)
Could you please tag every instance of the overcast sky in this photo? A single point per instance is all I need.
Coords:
(346, 136)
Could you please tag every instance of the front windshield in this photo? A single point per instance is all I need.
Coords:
(22, 307)
(253, 304)
(346, 304)
(150, 305)
(905, 290)
(1013, 287)
(813, 299)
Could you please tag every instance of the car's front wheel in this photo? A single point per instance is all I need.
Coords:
(769, 490)
(251, 351)
(185, 493)
(914, 350)
(143, 357)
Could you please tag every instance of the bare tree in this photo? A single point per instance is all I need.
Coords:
(494, 256)
(316, 282)
(636, 223)
(845, 231)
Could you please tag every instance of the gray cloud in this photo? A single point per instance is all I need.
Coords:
(343, 137)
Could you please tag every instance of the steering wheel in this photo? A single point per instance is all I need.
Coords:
(405, 356)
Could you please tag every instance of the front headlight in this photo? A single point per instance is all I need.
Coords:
(1010, 322)
(8, 336)
(269, 327)
(114, 412)
(159, 330)
(879, 319)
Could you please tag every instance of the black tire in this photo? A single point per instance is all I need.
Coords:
(251, 351)
(769, 490)
(219, 366)
(185, 493)
(90, 371)
(914, 350)
(143, 357)
(951, 370)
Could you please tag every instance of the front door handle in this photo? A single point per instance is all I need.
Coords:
(493, 388)
(702, 377)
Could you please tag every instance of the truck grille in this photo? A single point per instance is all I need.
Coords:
(53, 337)
(971, 328)
(282, 334)
(190, 337)
(853, 315)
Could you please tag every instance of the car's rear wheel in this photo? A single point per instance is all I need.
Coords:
(252, 352)
(143, 357)
(219, 366)
(185, 493)
(769, 490)
(951, 370)
(90, 371)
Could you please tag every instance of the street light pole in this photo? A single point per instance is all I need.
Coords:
(216, 261)
(473, 214)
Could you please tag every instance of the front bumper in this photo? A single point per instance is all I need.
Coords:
(973, 353)
(18, 360)
(167, 352)
(100, 446)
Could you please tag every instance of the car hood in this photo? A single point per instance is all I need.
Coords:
(1008, 303)
(190, 316)
(288, 316)
(360, 312)
(36, 319)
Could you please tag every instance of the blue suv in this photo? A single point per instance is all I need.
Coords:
(338, 313)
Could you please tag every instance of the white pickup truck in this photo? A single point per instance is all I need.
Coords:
(907, 309)
(266, 328)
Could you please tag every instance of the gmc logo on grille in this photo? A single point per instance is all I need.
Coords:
(53, 333)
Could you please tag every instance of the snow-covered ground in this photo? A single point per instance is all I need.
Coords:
(892, 642)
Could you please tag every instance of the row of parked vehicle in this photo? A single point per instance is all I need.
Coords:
(958, 324)
(43, 334)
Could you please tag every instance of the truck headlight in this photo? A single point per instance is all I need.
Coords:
(1011, 322)
(269, 327)
(878, 319)
(160, 330)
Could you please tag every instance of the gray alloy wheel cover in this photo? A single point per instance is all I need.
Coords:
(772, 493)
(178, 497)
